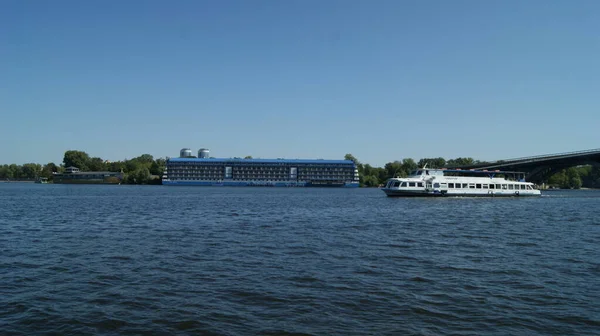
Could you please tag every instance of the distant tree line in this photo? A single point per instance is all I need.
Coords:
(571, 178)
(143, 169)
(576, 177)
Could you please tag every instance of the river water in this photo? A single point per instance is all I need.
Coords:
(156, 260)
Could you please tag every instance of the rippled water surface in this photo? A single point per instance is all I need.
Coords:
(244, 261)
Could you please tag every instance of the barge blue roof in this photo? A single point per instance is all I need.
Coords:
(240, 160)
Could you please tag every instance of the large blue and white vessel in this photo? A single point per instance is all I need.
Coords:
(203, 170)
(427, 182)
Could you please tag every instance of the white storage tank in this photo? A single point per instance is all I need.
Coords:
(185, 152)
(203, 153)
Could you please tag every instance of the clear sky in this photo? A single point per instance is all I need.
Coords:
(383, 80)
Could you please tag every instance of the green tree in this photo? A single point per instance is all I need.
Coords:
(432, 162)
(351, 158)
(132, 165)
(392, 169)
(458, 162)
(31, 170)
(49, 170)
(408, 165)
(359, 166)
(155, 169)
(573, 179)
(14, 171)
(558, 179)
(115, 166)
(142, 175)
(371, 181)
(145, 158)
(575, 182)
(96, 164)
(158, 166)
(75, 158)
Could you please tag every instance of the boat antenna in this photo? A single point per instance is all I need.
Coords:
(425, 166)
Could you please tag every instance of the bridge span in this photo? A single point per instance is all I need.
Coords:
(539, 168)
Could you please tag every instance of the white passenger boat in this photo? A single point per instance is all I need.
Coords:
(427, 182)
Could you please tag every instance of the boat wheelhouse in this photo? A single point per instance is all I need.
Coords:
(427, 182)
(260, 172)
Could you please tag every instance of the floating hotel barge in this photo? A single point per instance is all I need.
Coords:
(72, 175)
(206, 171)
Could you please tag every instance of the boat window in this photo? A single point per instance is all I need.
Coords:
(419, 172)
(523, 187)
(504, 186)
(478, 186)
(465, 185)
(420, 184)
(498, 186)
(403, 184)
(411, 184)
(485, 186)
(510, 187)
(450, 185)
(529, 187)
(471, 185)
(396, 184)
(492, 186)
(457, 185)
(414, 172)
(436, 185)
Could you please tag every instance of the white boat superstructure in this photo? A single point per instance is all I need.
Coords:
(459, 182)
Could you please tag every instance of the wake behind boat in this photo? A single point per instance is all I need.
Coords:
(457, 182)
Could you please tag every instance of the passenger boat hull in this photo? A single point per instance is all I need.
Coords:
(405, 193)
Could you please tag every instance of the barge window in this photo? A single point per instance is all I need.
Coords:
(450, 185)
(411, 184)
(478, 186)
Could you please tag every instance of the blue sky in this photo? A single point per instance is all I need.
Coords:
(383, 80)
